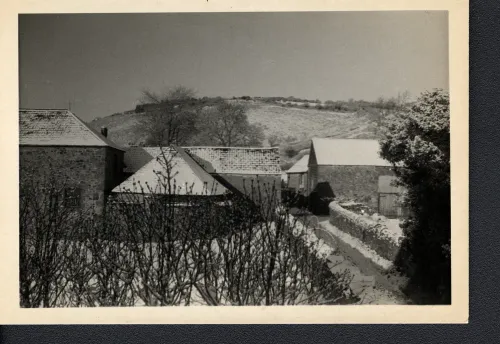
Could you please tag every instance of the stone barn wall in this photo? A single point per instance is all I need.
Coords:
(94, 170)
(356, 183)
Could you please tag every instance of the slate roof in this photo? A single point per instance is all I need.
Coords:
(136, 157)
(57, 127)
(237, 160)
(231, 160)
(300, 166)
(347, 152)
(187, 177)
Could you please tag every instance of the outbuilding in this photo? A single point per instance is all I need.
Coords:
(346, 170)
(297, 175)
(250, 171)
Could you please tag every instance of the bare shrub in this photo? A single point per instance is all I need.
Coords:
(158, 246)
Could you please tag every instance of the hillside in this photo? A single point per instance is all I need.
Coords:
(303, 123)
(295, 125)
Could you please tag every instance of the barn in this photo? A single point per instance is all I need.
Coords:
(345, 170)
(253, 172)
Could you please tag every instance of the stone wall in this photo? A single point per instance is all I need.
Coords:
(374, 234)
(355, 183)
(94, 170)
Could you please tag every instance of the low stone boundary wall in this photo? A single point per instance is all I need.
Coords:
(374, 234)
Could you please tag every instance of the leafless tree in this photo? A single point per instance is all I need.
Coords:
(227, 125)
(403, 99)
(45, 225)
(170, 116)
(274, 139)
(175, 93)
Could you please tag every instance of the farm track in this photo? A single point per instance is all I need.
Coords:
(368, 284)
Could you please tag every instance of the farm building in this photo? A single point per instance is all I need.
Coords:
(171, 172)
(346, 170)
(297, 174)
(239, 170)
(57, 145)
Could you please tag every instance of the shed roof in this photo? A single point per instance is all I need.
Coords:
(347, 152)
(300, 166)
(187, 177)
(231, 160)
(57, 127)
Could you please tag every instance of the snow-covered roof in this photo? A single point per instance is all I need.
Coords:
(347, 152)
(237, 160)
(231, 160)
(54, 127)
(186, 176)
(300, 166)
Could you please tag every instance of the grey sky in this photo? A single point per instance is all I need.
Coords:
(101, 62)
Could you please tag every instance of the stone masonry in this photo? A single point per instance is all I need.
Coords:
(94, 170)
(356, 183)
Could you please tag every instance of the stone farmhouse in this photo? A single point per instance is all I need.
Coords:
(349, 170)
(56, 144)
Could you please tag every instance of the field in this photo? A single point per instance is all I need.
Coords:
(303, 123)
(295, 125)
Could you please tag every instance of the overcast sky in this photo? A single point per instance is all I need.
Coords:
(101, 62)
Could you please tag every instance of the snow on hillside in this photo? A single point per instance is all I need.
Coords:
(299, 124)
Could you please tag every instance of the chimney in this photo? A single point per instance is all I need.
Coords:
(104, 131)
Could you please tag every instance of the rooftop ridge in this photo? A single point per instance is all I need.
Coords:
(105, 139)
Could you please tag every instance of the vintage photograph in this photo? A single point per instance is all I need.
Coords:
(234, 159)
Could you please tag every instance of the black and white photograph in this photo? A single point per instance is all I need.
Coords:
(181, 160)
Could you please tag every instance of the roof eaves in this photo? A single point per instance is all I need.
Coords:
(105, 140)
(204, 176)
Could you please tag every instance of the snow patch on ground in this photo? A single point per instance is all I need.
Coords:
(394, 230)
(358, 245)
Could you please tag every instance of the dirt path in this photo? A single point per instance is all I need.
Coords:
(368, 286)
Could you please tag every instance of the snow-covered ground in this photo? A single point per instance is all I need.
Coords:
(394, 229)
(357, 244)
(367, 285)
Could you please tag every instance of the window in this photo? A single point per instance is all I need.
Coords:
(301, 180)
(72, 197)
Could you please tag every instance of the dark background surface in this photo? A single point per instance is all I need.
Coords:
(484, 184)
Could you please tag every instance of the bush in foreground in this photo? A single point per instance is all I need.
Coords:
(417, 142)
(168, 249)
